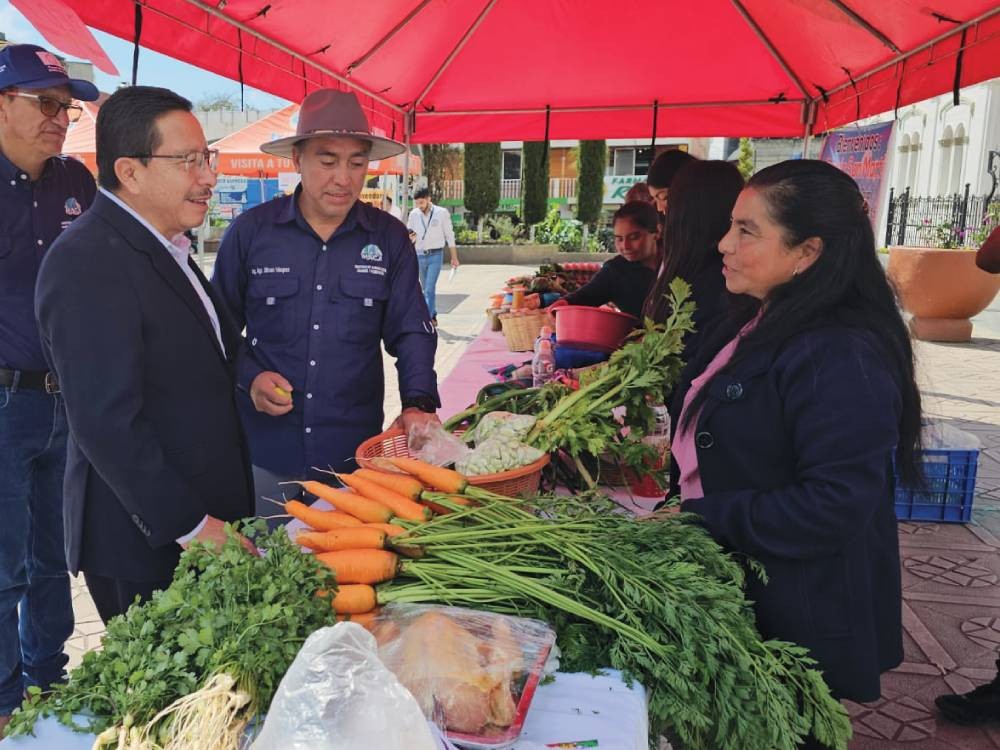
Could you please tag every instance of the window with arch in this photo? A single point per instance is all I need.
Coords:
(944, 164)
(957, 158)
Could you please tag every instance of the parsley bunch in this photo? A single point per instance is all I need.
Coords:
(225, 613)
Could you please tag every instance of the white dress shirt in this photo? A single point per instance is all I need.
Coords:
(180, 249)
(433, 229)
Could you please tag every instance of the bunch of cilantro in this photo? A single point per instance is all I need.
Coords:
(226, 612)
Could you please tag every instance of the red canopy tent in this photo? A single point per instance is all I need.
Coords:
(488, 70)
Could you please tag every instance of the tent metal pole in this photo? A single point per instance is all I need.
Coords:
(916, 50)
(809, 110)
(386, 39)
(770, 46)
(866, 25)
(404, 202)
(215, 12)
(454, 53)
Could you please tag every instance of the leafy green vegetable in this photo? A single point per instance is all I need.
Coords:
(225, 612)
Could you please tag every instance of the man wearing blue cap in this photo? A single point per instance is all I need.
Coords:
(40, 194)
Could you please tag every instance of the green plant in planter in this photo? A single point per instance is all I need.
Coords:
(990, 222)
(943, 235)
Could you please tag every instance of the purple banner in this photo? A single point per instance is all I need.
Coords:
(862, 153)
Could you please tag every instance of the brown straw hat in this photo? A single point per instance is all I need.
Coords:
(329, 113)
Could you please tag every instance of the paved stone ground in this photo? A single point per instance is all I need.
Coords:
(951, 572)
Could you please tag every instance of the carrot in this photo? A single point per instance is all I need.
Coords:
(403, 484)
(402, 506)
(361, 565)
(442, 510)
(354, 537)
(392, 531)
(354, 599)
(365, 619)
(361, 508)
(321, 520)
(442, 480)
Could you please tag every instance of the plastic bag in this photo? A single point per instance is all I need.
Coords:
(938, 435)
(431, 444)
(496, 454)
(503, 424)
(467, 669)
(337, 695)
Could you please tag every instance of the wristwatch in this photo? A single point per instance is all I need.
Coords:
(424, 403)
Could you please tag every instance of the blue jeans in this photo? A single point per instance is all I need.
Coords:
(430, 269)
(36, 611)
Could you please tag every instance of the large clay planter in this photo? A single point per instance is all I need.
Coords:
(942, 289)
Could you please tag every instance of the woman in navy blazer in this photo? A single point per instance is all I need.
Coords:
(786, 449)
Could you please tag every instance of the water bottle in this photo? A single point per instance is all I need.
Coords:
(543, 364)
(545, 334)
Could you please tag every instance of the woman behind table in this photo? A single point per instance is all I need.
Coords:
(701, 200)
(786, 441)
(625, 280)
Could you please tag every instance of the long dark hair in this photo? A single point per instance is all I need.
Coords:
(698, 215)
(845, 285)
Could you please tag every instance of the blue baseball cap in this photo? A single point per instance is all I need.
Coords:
(29, 66)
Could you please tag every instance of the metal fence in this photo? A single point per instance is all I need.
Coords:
(940, 221)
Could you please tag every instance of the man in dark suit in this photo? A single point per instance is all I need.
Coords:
(143, 353)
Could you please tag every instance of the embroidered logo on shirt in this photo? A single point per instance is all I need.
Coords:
(371, 253)
(73, 207)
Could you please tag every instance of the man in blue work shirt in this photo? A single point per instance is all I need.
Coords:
(319, 278)
(40, 194)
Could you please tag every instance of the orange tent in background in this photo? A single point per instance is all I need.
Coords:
(240, 154)
(80, 137)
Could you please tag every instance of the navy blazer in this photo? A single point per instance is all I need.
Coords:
(155, 441)
(795, 453)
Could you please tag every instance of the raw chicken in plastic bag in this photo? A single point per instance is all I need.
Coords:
(938, 435)
(338, 695)
(468, 670)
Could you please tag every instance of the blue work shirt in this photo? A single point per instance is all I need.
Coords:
(32, 215)
(315, 312)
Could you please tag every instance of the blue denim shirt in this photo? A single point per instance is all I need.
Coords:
(316, 313)
(32, 214)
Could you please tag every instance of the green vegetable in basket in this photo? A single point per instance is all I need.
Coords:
(496, 454)
(501, 424)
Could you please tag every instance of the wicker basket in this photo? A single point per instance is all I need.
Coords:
(522, 482)
(521, 330)
(494, 315)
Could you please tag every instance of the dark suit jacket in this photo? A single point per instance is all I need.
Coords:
(155, 440)
(794, 449)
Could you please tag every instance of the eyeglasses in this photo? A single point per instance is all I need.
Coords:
(52, 107)
(194, 160)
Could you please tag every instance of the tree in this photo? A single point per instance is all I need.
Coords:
(483, 165)
(590, 184)
(217, 101)
(534, 181)
(745, 160)
(440, 161)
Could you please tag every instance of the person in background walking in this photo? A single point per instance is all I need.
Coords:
(41, 193)
(432, 227)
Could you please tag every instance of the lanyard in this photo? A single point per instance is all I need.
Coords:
(426, 224)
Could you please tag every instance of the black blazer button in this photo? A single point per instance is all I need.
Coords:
(135, 520)
(704, 440)
(734, 391)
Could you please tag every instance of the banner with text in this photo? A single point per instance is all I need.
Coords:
(863, 154)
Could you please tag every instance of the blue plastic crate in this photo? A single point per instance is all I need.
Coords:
(950, 489)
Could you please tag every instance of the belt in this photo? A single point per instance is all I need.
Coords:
(37, 380)
(431, 250)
